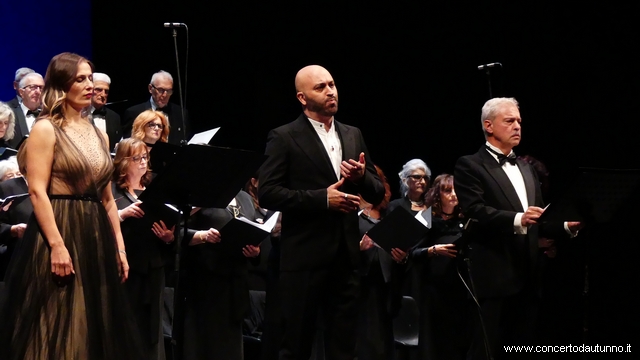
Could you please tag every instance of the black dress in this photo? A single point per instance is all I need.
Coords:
(380, 295)
(147, 255)
(217, 291)
(85, 316)
(444, 306)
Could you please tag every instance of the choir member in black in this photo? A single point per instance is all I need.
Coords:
(7, 125)
(444, 318)
(151, 126)
(414, 183)
(380, 295)
(272, 322)
(217, 294)
(147, 248)
(14, 214)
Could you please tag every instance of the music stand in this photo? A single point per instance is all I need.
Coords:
(594, 196)
(201, 176)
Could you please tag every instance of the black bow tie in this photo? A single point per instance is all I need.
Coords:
(100, 112)
(164, 109)
(502, 158)
(34, 113)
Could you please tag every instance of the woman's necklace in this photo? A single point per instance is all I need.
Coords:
(417, 203)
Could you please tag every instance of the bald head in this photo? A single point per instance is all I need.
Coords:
(317, 92)
(307, 74)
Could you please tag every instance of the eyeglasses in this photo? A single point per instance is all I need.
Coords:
(155, 126)
(417, 177)
(33, 87)
(99, 90)
(162, 91)
(138, 158)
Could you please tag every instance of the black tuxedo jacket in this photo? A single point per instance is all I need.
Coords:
(294, 180)
(19, 213)
(175, 121)
(503, 263)
(114, 128)
(21, 123)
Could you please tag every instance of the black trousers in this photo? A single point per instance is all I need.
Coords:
(509, 321)
(332, 293)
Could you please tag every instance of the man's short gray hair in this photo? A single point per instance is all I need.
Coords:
(491, 108)
(20, 73)
(28, 76)
(160, 74)
(407, 169)
(101, 77)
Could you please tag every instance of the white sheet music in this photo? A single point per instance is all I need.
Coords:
(268, 226)
(424, 216)
(203, 137)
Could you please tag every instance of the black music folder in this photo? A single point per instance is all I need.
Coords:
(246, 231)
(399, 229)
(12, 200)
(6, 153)
(594, 196)
(154, 212)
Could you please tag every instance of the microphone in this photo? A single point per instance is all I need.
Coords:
(174, 25)
(480, 67)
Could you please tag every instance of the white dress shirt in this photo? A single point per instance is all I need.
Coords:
(98, 120)
(515, 176)
(331, 142)
(29, 119)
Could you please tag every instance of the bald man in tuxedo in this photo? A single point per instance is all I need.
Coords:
(315, 169)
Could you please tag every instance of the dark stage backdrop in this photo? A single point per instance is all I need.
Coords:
(407, 76)
(34, 31)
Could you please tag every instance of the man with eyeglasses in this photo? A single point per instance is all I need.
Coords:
(26, 112)
(20, 73)
(161, 89)
(105, 119)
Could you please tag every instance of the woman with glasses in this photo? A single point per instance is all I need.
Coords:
(414, 182)
(147, 248)
(151, 126)
(444, 318)
(7, 124)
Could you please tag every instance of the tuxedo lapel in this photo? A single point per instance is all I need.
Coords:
(305, 136)
(21, 122)
(346, 137)
(502, 180)
(529, 182)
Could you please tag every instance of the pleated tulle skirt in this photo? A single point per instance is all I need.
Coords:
(84, 316)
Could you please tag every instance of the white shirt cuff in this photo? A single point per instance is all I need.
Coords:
(517, 225)
(571, 234)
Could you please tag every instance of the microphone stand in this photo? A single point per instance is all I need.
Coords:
(177, 326)
(487, 71)
(466, 248)
(175, 46)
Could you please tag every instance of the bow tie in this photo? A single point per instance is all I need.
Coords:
(164, 109)
(34, 113)
(100, 112)
(502, 158)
